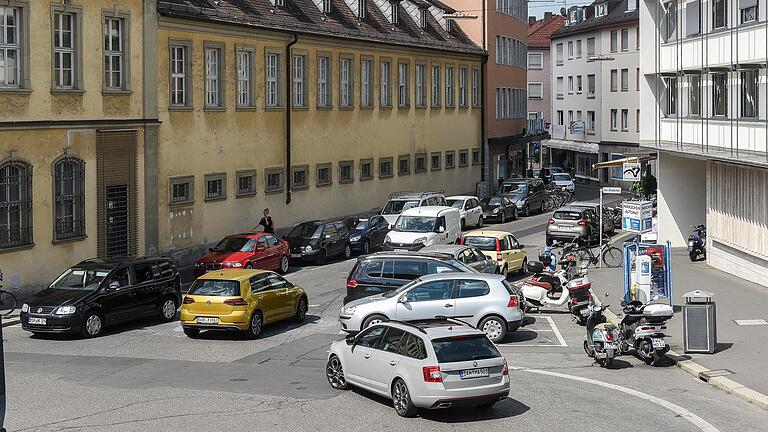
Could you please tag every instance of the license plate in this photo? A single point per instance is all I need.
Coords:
(295, 255)
(565, 228)
(401, 250)
(207, 320)
(659, 343)
(38, 321)
(474, 373)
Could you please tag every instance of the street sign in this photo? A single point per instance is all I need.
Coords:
(631, 171)
(611, 190)
(637, 216)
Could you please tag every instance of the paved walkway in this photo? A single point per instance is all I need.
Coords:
(740, 349)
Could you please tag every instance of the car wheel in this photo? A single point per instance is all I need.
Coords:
(192, 332)
(248, 266)
(480, 221)
(366, 247)
(301, 310)
(335, 374)
(284, 264)
(371, 320)
(254, 328)
(526, 211)
(494, 327)
(93, 324)
(522, 270)
(167, 310)
(514, 213)
(402, 399)
(347, 252)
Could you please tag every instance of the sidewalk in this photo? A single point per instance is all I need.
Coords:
(740, 349)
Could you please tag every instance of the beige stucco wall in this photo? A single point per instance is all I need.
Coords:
(198, 142)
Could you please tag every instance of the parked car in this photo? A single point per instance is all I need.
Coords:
(386, 271)
(501, 247)
(527, 194)
(471, 256)
(608, 216)
(401, 201)
(424, 226)
(498, 208)
(317, 240)
(368, 234)
(251, 250)
(564, 181)
(241, 300)
(469, 209)
(548, 171)
(98, 293)
(487, 302)
(571, 222)
(427, 364)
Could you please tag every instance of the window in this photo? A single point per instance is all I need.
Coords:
(421, 163)
(300, 177)
(402, 85)
(323, 174)
(601, 10)
(504, 50)
(692, 18)
(404, 165)
(749, 87)
(559, 53)
(590, 122)
(560, 119)
(244, 67)
(370, 338)
(215, 186)
(631, 5)
(450, 159)
(10, 47)
(694, 95)
(362, 9)
(476, 157)
(385, 167)
(590, 47)
(535, 90)
(637, 121)
(385, 80)
(624, 79)
(671, 30)
(614, 80)
(578, 84)
(476, 102)
(420, 91)
(366, 80)
(637, 80)
(559, 87)
(748, 10)
(578, 48)
(614, 40)
(346, 171)
(614, 119)
(625, 39)
(570, 84)
(65, 53)
(345, 82)
(394, 12)
(463, 158)
(299, 93)
(113, 53)
(179, 83)
(624, 120)
(273, 177)
(570, 117)
(272, 98)
(278, 2)
(431, 291)
(323, 84)
(472, 288)
(720, 94)
(499, 50)
(246, 183)
(590, 86)
(423, 18)
(449, 76)
(69, 198)
(327, 6)
(214, 88)
(435, 85)
(393, 341)
(366, 169)
(536, 60)
(435, 160)
(182, 190)
(671, 96)
(463, 86)
(570, 50)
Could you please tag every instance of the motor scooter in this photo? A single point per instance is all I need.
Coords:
(554, 289)
(697, 243)
(641, 330)
(601, 340)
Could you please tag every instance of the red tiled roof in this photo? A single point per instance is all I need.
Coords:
(539, 32)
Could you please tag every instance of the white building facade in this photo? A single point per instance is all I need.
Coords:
(705, 111)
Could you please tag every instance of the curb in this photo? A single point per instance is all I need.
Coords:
(11, 322)
(691, 367)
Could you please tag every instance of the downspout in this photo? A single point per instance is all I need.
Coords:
(288, 111)
(483, 87)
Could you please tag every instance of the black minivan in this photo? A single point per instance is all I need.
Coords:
(386, 271)
(97, 293)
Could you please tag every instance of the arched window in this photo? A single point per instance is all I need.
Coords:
(15, 204)
(69, 198)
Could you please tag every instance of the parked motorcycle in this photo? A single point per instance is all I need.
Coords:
(697, 243)
(642, 328)
(601, 340)
(554, 289)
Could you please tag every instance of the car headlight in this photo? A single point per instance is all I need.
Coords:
(420, 240)
(355, 238)
(65, 310)
(348, 310)
(25, 308)
(232, 265)
(308, 249)
(496, 210)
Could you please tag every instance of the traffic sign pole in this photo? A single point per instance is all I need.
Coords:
(608, 190)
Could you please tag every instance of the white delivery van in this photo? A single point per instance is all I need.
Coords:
(424, 226)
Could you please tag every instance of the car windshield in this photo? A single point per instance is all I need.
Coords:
(482, 243)
(421, 224)
(561, 177)
(235, 244)
(81, 279)
(361, 224)
(398, 206)
(306, 230)
(567, 215)
(515, 188)
(464, 348)
(456, 203)
(215, 288)
(491, 201)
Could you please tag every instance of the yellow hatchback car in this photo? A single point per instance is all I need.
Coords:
(500, 246)
(244, 300)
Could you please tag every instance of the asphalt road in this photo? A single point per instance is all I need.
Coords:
(149, 376)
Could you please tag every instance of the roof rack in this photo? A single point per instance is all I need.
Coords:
(421, 194)
(406, 323)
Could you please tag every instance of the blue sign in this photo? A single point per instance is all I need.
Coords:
(637, 216)
(577, 127)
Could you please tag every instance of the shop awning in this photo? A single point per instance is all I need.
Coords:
(577, 146)
(620, 162)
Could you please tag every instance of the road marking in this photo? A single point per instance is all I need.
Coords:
(697, 421)
(557, 331)
(751, 322)
(553, 328)
(314, 305)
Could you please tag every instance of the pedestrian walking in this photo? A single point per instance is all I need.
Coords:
(267, 222)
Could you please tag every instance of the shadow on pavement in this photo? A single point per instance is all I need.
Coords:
(269, 330)
(620, 364)
(521, 335)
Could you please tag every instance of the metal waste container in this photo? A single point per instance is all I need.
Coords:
(699, 322)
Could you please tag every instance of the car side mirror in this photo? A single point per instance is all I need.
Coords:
(350, 339)
(403, 299)
(441, 229)
(113, 286)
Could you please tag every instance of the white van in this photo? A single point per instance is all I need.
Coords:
(424, 226)
(401, 201)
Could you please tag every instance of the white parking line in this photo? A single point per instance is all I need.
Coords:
(557, 331)
(553, 328)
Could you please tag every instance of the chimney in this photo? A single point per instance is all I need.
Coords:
(547, 15)
(531, 20)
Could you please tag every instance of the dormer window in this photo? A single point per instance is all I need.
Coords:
(448, 26)
(601, 10)
(423, 18)
(326, 6)
(394, 18)
(361, 9)
(280, 3)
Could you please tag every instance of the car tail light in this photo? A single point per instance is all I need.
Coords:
(582, 223)
(514, 301)
(498, 245)
(663, 327)
(551, 221)
(432, 374)
(236, 302)
(609, 337)
(352, 283)
(647, 328)
(188, 300)
(461, 242)
(506, 368)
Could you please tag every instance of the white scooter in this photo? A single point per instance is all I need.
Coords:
(642, 330)
(553, 289)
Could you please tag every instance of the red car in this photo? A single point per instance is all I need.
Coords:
(253, 250)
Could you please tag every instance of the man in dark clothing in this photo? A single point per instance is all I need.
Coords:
(267, 223)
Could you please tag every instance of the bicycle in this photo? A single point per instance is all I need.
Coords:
(612, 256)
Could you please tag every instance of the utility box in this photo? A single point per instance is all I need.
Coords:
(699, 323)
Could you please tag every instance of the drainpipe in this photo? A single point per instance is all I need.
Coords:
(288, 111)
(483, 87)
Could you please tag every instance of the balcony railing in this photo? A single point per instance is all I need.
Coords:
(536, 126)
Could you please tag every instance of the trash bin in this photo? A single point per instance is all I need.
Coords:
(699, 322)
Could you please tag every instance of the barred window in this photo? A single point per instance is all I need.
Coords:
(69, 197)
(15, 204)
